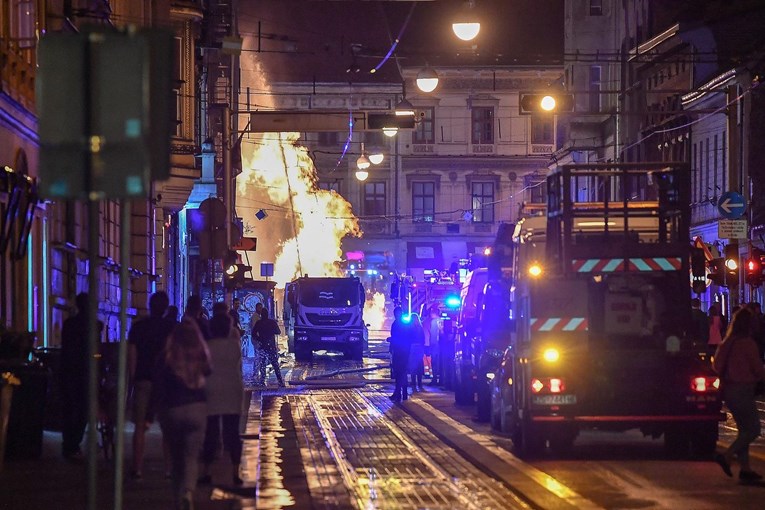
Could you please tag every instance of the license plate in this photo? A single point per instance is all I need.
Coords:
(328, 338)
(554, 400)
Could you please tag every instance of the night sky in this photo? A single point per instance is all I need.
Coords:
(316, 39)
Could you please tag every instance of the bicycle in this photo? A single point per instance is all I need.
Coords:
(107, 399)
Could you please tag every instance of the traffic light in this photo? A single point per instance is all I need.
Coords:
(732, 266)
(753, 268)
(386, 120)
(234, 275)
(698, 270)
(546, 103)
(717, 271)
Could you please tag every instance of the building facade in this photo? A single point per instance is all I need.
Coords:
(43, 264)
(660, 81)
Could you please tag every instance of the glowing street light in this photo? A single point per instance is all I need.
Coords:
(363, 162)
(548, 103)
(466, 26)
(376, 158)
(427, 80)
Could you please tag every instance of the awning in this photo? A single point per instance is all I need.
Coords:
(425, 255)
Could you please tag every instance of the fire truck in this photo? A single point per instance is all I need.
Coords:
(600, 307)
(325, 313)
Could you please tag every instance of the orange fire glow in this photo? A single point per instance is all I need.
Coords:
(374, 311)
(305, 224)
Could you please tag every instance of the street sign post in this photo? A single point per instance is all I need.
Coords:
(732, 229)
(246, 244)
(731, 205)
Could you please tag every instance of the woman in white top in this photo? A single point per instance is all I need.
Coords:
(715, 328)
(225, 393)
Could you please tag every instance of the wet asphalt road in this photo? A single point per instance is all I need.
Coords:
(332, 439)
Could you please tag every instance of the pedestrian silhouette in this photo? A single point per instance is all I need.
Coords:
(265, 332)
(179, 384)
(74, 377)
(146, 341)
(225, 393)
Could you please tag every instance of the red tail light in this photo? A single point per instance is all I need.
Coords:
(703, 384)
(548, 385)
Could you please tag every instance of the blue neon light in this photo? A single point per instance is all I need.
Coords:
(406, 318)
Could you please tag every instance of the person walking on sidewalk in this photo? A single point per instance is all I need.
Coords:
(179, 384)
(74, 377)
(738, 363)
(265, 332)
(258, 360)
(416, 351)
(432, 328)
(196, 311)
(146, 341)
(225, 393)
(716, 328)
(399, 355)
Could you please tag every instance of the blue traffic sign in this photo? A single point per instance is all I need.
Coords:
(731, 205)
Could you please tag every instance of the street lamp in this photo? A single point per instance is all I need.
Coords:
(466, 26)
(376, 158)
(427, 80)
(404, 108)
(361, 175)
(363, 162)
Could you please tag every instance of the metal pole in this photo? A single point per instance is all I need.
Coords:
(93, 343)
(119, 447)
(395, 194)
(93, 227)
(227, 184)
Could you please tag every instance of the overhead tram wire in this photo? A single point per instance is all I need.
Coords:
(292, 207)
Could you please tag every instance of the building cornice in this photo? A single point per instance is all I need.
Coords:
(655, 41)
(712, 86)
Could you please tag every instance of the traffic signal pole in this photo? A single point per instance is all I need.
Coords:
(227, 189)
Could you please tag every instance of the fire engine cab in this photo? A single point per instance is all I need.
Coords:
(600, 307)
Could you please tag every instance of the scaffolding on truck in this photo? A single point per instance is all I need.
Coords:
(601, 307)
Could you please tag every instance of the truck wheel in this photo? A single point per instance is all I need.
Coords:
(303, 353)
(355, 352)
(704, 439)
(527, 442)
(505, 419)
(463, 394)
(676, 442)
(496, 413)
(562, 441)
(483, 404)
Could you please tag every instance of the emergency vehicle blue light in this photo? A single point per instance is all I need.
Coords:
(406, 318)
(453, 301)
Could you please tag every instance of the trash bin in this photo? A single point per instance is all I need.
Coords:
(50, 357)
(25, 423)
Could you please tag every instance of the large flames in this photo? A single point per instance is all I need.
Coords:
(305, 224)
(374, 311)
